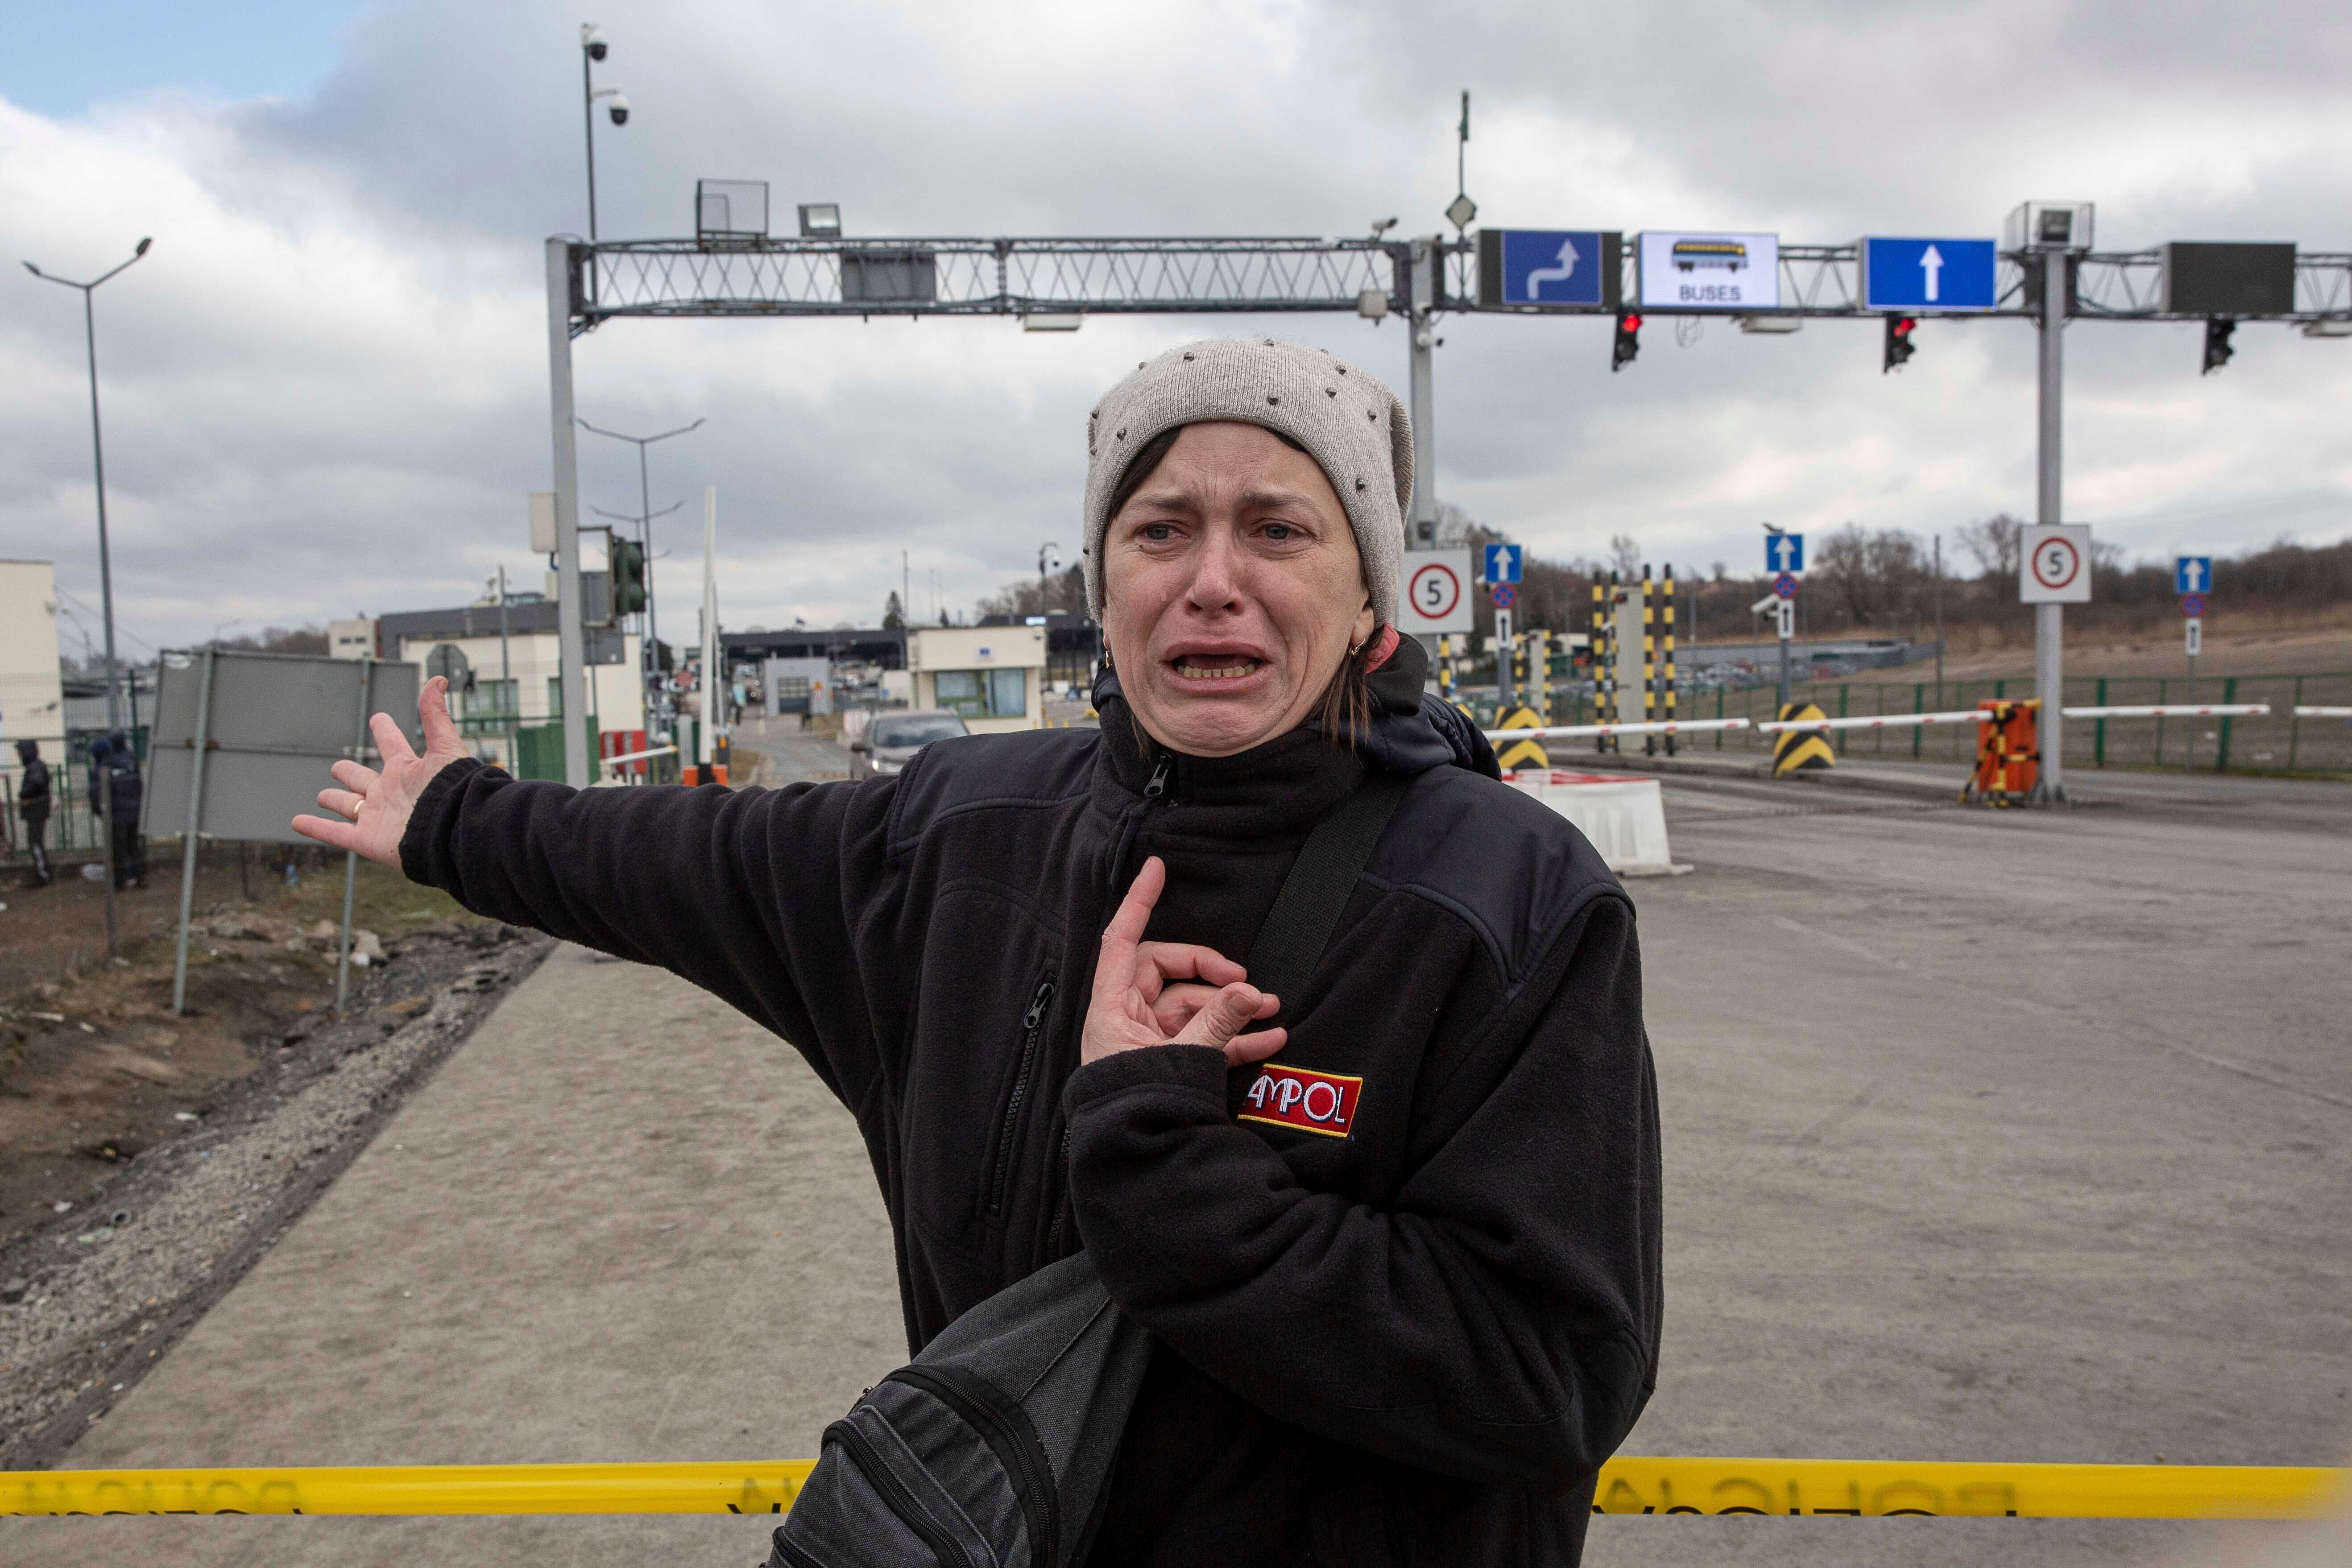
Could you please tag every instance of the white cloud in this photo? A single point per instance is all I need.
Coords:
(326, 388)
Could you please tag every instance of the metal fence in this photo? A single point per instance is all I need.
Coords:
(2280, 742)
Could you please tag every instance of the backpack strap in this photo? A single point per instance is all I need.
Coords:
(1305, 912)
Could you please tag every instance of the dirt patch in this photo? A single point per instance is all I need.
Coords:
(101, 1284)
(95, 1069)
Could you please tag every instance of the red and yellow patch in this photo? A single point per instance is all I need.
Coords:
(1298, 1098)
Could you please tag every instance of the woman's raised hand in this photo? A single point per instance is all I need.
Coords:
(371, 808)
(1135, 1004)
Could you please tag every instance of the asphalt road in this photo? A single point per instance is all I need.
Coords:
(1990, 1135)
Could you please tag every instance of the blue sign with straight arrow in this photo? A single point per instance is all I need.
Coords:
(2192, 574)
(1502, 564)
(1784, 553)
(1929, 274)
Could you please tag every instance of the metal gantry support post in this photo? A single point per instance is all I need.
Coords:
(2049, 620)
(1422, 327)
(569, 635)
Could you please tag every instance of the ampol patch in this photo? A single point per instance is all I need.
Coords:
(1310, 1101)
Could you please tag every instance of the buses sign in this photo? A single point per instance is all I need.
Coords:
(1710, 272)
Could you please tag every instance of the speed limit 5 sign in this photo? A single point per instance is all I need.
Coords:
(1435, 592)
(2053, 564)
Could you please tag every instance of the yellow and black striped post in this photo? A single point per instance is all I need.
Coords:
(1666, 651)
(1444, 666)
(1527, 754)
(1796, 750)
(1649, 656)
(1600, 651)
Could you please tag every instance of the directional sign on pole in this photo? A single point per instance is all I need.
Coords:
(1436, 597)
(1929, 274)
(2196, 637)
(1784, 552)
(2192, 575)
(1502, 564)
(2054, 565)
(1549, 266)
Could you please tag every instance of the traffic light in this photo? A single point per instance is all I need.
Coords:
(2217, 344)
(628, 577)
(1899, 346)
(1629, 341)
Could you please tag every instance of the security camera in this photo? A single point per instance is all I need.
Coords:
(597, 50)
(620, 109)
(590, 42)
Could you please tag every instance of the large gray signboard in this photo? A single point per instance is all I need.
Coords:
(270, 723)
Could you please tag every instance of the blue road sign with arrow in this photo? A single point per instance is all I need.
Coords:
(1551, 266)
(1502, 564)
(1784, 552)
(2192, 574)
(1929, 275)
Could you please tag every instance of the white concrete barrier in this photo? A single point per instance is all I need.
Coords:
(1624, 817)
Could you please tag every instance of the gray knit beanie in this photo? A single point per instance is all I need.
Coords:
(1349, 422)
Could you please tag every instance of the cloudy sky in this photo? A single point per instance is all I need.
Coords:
(325, 387)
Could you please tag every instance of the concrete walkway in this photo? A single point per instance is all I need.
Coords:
(623, 1223)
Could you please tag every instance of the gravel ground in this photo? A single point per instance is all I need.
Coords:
(90, 1298)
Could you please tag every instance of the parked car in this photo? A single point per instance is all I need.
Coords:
(891, 740)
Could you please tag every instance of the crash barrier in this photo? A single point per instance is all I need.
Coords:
(1794, 749)
(1514, 748)
(2009, 753)
(1977, 715)
(1850, 1488)
(1623, 818)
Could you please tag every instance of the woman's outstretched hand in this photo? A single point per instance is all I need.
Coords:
(1135, 1004)
(371, 808)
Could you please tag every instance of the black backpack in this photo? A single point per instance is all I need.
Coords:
(993, 1447)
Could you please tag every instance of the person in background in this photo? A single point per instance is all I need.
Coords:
(125, 794)
(33, 808)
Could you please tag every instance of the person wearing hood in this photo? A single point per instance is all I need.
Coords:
(33, 808)
(126, 795)
(1397, 1236)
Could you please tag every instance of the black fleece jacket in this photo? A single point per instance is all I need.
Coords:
(1413, 1342)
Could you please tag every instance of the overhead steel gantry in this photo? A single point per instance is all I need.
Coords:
(1056, 282)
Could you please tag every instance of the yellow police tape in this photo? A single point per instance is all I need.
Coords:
(1806, 1487)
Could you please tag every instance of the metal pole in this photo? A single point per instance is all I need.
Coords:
(106, 604)
(1783, 620)
(2188, 759)
(1505, 645)
(646, 662)
(1421, 320)
(588, 124)
(508, 698)
(2049, 620)
(351, 857)
(570, 644)
(188, 836)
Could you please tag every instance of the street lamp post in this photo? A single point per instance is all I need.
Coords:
(648, 661)
(105, 554)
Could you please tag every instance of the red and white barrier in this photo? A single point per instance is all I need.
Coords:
(2305, 712)
(2175, 711)
(1874, 722)
(1576, 732)
(1624, 818)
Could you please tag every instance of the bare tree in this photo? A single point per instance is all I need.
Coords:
(1626, 556)
(1993, 542)
(1065, 595)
